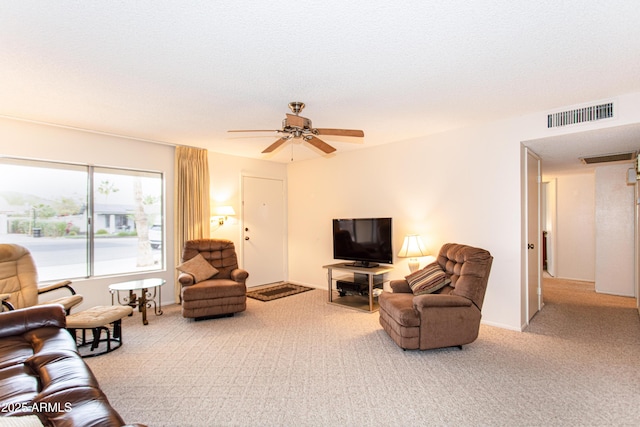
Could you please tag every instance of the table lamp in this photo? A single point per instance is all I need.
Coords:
(413, 248)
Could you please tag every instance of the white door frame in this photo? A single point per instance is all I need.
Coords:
(550, 204)
(636, 261)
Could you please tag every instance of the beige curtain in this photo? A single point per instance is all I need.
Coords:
(191, 200)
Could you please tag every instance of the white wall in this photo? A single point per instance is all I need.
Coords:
(615, 228)
(575, 234)
(461, 186)
(35, 141)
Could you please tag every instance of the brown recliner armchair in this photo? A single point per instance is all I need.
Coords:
(212, 284)
(450, 316)
(19, 281)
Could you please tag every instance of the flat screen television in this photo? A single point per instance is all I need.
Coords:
(365, 241)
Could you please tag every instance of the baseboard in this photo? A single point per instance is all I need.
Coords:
(501, 326)
(308, 285)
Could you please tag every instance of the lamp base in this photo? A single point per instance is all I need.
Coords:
(414, 264)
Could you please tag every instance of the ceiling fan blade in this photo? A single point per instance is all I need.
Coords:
(298, 121)
(320, 144)
(275, 145)
(254, 130)
(340, 132)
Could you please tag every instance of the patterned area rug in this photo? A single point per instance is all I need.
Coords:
(280, 290)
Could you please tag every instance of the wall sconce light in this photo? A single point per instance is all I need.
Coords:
(413, 248)
(222, 213)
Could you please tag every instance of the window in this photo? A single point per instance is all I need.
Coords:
(46, 207)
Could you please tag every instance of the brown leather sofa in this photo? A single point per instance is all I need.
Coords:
(450, 316)
(212, 284)
(42, 374)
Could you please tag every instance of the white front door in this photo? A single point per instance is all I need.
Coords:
(264, 231)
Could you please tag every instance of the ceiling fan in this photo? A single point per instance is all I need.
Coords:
(295, 126)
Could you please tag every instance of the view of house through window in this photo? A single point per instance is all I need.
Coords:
(46, 207)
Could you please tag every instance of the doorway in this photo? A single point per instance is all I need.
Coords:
(561, 157)
(264, 229)
(548, 221)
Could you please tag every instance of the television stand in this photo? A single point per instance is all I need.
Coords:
(360, 282)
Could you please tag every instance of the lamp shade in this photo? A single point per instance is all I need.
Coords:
(412, 247)
(224, 211)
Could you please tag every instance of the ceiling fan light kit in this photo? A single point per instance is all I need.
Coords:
(298, 127)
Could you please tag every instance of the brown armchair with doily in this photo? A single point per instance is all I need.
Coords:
(439, 305)
(212, 284)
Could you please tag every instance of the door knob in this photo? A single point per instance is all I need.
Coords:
(246, 238)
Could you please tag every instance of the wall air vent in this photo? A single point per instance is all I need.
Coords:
(580, 115)
(605, 158)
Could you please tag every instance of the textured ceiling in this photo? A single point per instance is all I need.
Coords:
(185, 72)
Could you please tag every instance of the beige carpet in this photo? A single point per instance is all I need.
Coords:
(299, 361)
